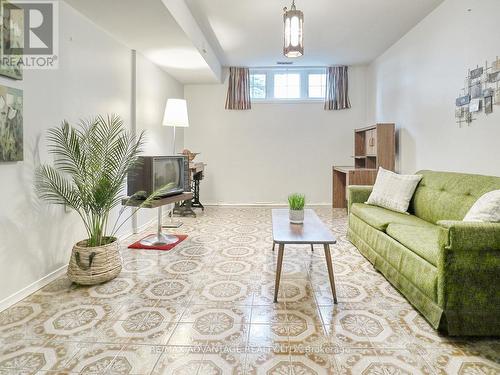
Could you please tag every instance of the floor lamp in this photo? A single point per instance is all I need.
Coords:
(176, 115)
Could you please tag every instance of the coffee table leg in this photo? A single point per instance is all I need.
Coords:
(274, 243)
(281, 250)
(329, 265)
(312, 247)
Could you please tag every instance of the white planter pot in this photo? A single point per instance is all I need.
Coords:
(296, 216)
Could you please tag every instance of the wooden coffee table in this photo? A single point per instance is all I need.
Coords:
(312, 232)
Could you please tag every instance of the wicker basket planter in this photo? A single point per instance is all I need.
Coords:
(94, 265)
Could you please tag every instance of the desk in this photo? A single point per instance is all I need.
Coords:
(159, 238)
(197, 170)
(195, 176)
(345, 176)
(196, 167)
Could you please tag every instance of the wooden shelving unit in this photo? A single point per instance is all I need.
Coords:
(374, 147)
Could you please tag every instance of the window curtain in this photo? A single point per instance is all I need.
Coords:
(238, 90)
(337, 88)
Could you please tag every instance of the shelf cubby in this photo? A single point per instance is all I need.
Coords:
(375, 146)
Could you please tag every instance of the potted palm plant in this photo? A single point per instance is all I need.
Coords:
(296, 203)
(88, 175)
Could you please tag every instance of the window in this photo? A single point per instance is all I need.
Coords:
(287, 86)
(316, 85)
(299, 84)
(258, 86)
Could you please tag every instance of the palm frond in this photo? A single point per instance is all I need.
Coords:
(52, 186)
(90, 168)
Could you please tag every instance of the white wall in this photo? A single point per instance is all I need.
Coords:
(154, 87)
(94, 77)
(416, 81)
(262, 155)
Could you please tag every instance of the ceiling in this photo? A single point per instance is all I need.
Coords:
(148, 27)
(176, 34)
(335, 31)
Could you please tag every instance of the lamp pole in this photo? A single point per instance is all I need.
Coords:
(173, 146)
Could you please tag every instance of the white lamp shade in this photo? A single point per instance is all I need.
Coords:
(176, 113)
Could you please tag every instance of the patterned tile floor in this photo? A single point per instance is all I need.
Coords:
(206, 308)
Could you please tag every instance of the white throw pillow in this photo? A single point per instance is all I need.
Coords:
(486, 208)
(393, 191)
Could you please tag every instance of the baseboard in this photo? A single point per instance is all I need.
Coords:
(149, 224)
(39, 284)
(32, 288)
(143, 227)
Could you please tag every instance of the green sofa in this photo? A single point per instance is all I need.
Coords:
(447, 269)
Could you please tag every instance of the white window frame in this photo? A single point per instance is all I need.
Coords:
(304, 83)
(265, 86)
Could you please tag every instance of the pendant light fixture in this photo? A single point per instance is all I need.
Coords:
(294, 36)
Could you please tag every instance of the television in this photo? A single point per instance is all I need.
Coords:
(163, 175)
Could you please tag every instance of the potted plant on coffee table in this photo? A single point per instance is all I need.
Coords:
(296, 203)
(88, 175)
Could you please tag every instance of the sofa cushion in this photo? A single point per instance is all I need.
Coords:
(426, 241)
(410, 266)
(380, 218)
(449, 196)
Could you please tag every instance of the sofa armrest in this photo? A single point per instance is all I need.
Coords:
(472, 236)
(358, 194)
(468, 277)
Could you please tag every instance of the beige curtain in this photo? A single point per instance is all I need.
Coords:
(238, 90)
(337, 88)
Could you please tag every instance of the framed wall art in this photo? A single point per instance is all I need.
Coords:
(475, 105)
(463, 100)
(494, 77)
(12, 27)
(476, 90)
(488, 104)
(11, 124)
(496, 99)
(476, 73)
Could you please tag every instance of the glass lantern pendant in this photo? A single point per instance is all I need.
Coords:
(294, 36)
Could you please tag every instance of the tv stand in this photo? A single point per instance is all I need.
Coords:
(159, 238)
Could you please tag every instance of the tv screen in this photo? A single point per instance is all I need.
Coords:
(167, 175)
(162, 175)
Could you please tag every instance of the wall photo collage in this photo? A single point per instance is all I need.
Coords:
(480, 93)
